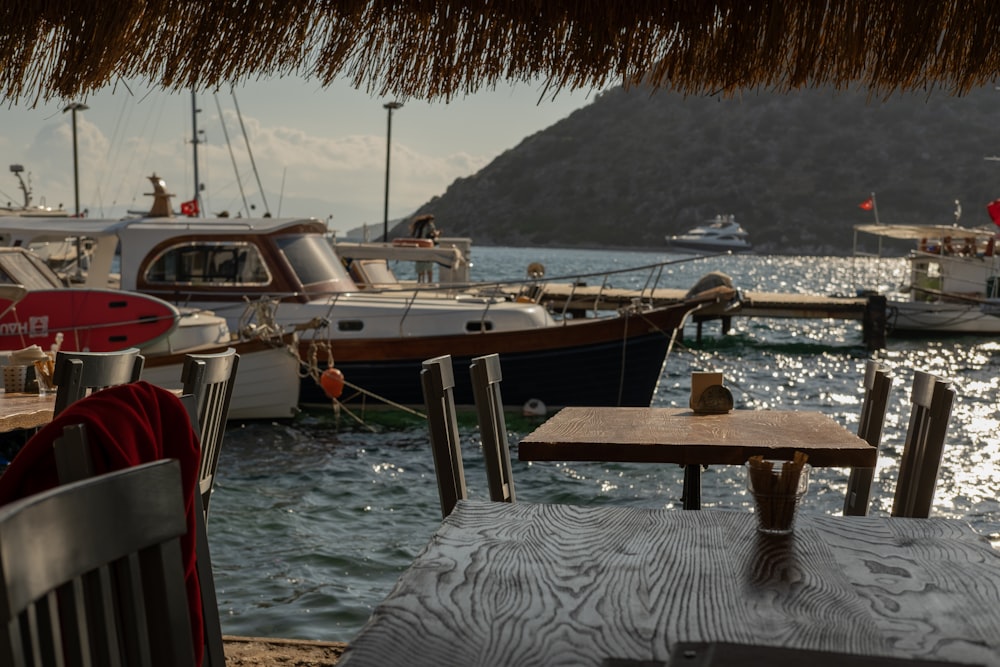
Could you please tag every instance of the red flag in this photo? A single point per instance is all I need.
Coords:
(993, 208)
(867, 204)
(189, 208)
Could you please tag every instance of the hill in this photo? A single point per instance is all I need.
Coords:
(634, 166)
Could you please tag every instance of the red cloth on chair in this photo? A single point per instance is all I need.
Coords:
(126, 425)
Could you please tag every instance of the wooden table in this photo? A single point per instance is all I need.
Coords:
(675, 435)
(25, 410)
(529, 584)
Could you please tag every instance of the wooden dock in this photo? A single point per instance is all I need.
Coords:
(870, 310)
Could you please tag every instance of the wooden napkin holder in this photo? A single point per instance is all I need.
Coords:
(709, 396)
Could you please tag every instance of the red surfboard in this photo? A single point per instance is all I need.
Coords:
(90, 320)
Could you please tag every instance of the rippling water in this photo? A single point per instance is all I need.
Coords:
(312, 523)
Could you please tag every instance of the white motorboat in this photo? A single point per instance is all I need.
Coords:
(723, 234)
(953, 282)
(377, 338)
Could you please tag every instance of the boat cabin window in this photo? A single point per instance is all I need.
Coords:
(478, 326)
(209, 263)
(314, 261)
(926, 280)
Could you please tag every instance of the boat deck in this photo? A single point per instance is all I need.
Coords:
(869, 310)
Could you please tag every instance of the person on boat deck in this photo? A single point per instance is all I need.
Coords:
(422, 227)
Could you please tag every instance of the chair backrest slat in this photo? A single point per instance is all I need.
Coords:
(77, 374)
(486, 377)
(125, 528)
(877, 383)
(931, 398)
(437, 379)
(210, 378)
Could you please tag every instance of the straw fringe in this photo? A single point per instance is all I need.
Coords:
(437, 49)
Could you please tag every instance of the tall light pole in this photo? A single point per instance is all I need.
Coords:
(73, 107)
(390, 106)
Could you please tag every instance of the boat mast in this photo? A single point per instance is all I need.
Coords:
(194, 144)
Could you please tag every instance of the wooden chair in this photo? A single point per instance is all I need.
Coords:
(438, 382)
(486, 377)
(74, 463)
(92, 572)
(877, 382)
(77, 374)
(210, 379)
(931, 400)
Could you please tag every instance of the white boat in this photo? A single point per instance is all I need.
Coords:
(377, 338)
(267, 383)
(28, 209)
(38, 309)
(953, 280)
(723, 234)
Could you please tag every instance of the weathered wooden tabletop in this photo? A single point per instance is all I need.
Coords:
(25, 410)
(530, 584)
(675, 435)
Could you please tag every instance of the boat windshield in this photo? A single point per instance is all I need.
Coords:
(215, 262)
(315, 262)
(20, 268)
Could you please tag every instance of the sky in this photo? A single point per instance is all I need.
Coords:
(319, 152)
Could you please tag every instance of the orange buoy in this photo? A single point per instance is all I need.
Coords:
(332, 381)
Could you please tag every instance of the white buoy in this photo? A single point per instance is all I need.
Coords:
(533, 408)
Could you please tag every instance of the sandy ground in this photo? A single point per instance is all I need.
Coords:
(271, 652)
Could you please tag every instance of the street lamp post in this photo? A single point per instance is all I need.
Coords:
(73, 107)
(390, 106)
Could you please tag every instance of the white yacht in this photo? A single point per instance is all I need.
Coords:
(719, 235)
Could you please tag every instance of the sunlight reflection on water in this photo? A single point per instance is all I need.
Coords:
(311, 524)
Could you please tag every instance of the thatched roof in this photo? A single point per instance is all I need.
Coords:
(441, 48)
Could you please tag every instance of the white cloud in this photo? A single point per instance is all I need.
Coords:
(319, 152)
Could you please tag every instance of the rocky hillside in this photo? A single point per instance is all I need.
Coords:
(633, 166)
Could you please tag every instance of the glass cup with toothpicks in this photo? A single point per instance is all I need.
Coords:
(44, 369)
(777, 488)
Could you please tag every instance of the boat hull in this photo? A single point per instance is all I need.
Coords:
(608, 361)
(267, 382)
(913, 318)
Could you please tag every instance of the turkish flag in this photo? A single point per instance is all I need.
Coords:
(867, 204)
(993, 208)
(189, 208)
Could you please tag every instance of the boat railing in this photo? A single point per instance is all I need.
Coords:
(649, 278)
(642, 287)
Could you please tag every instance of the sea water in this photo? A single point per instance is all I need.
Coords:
(312, 522)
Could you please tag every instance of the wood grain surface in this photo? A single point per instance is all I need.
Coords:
(530, 584)
(674, 435)
(25, 410)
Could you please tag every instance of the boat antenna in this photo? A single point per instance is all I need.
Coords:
(253, 164)
(16, 169)
(232, 157)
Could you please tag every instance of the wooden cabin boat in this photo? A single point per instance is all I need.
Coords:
(377, 339)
